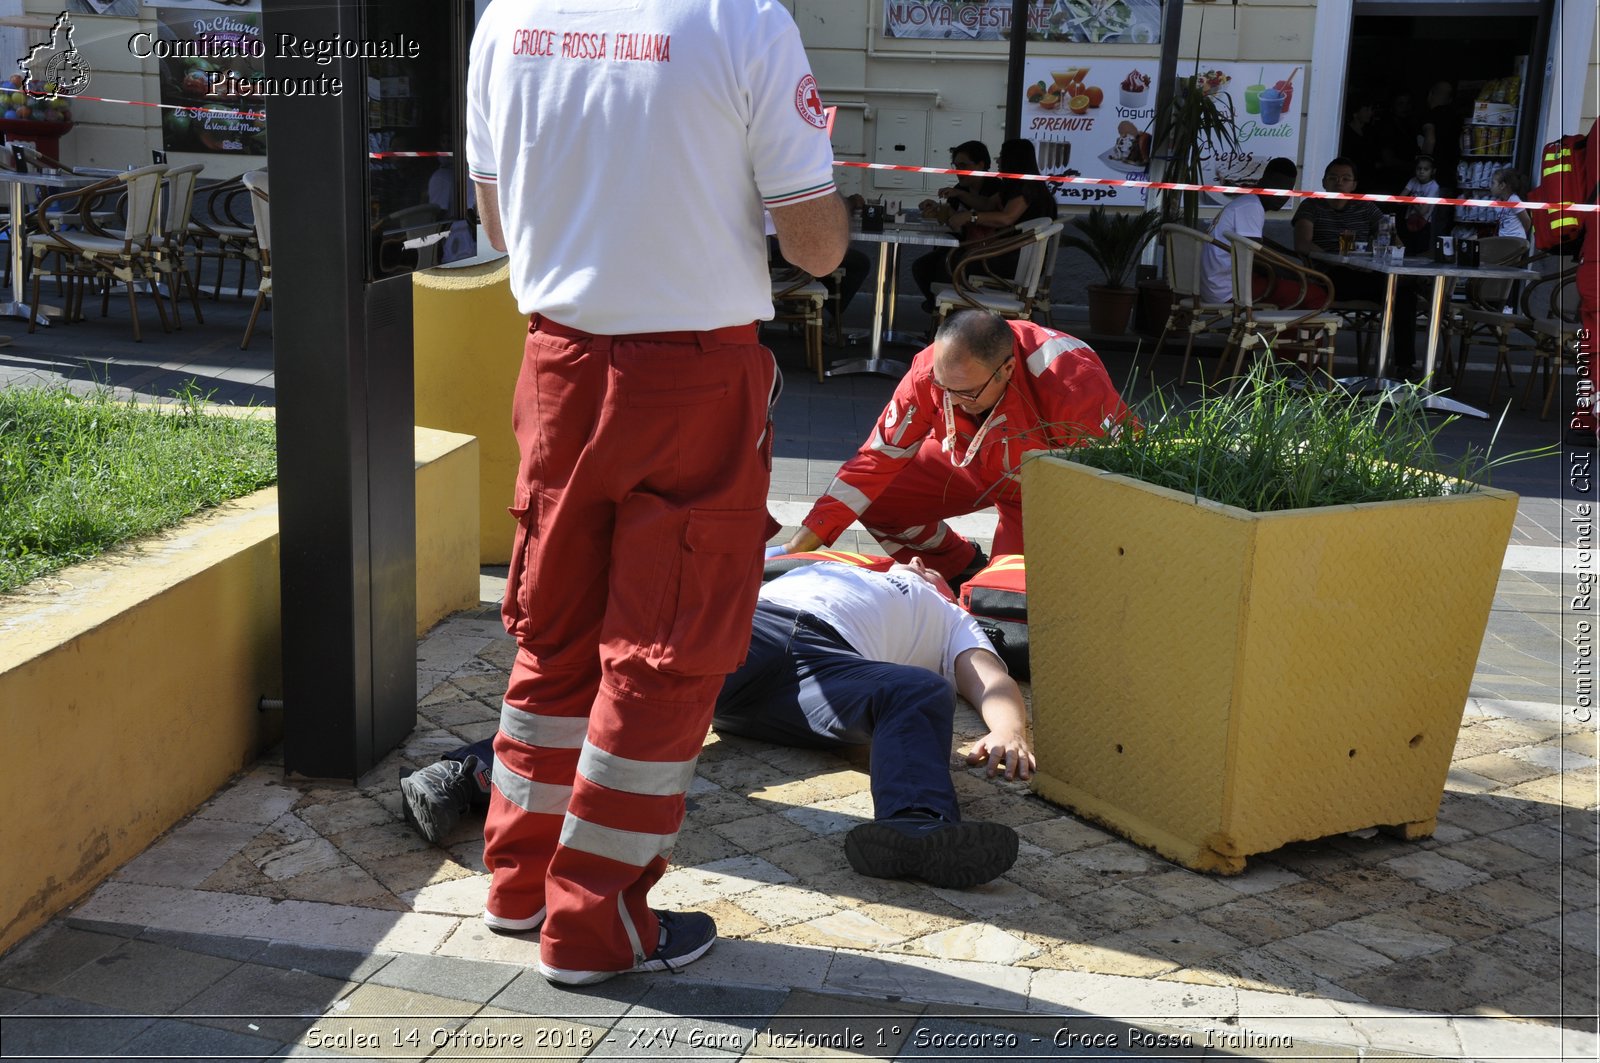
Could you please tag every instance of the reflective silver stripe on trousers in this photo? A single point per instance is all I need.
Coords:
(658, 778)
(851, 497)
(631, 930)
(1048, 352)
(551, 732)
(629, 847)
(541, 797)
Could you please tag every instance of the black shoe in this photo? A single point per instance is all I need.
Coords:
(435, 798)
(979, 562)
(940, 853)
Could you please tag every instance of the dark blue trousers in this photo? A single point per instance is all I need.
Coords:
(803, 685)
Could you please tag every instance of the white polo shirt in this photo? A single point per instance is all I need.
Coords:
(634, 144)
(895, 616)
(1245, 215)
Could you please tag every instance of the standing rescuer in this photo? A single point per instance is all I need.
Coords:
(643, 414)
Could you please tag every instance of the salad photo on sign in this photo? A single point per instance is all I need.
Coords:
(1077, 21)
(1104, 21)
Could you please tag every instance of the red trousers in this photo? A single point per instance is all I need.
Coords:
(908, 517)
(641, 513)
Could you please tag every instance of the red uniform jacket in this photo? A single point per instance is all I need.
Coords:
(1059, 393)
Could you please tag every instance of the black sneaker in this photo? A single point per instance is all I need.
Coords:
(434, 798)
(684, 938)
(940, 853)
(979, 562)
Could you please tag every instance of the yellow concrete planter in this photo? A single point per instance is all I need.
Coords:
(130, 686)
(1213, 683)
(469, 338)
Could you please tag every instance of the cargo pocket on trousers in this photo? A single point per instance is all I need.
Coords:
(708, 629)
(513, 607)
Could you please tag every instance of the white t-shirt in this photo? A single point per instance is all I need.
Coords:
(634, 144)
(1511, 218)
(1245, 215)
(894, 616)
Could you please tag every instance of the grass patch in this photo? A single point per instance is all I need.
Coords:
(1273, 443)
(81, 473)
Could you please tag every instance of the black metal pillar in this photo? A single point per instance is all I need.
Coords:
(1018, 55)
(343, 358)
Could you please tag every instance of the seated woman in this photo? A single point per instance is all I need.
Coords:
(966, 195)
(1018, 201)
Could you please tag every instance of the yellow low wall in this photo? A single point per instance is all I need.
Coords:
(129, 686)
(469, 340)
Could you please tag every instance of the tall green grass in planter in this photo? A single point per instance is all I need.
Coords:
(81, 473)
(1273, 444)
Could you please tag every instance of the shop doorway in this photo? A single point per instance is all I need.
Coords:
(1459, 71)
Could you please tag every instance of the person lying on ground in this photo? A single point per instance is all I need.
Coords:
(842, 656)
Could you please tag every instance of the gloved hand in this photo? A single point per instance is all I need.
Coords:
(776, 551)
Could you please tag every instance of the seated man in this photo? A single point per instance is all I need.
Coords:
(842, 656)
(986, 392)
(1317, 225)
(1246, 215)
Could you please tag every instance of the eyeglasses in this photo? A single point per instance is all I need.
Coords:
(972, 396)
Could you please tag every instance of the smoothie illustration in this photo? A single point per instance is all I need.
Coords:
(1252, 98)
(1271, 102)
(1286, 86)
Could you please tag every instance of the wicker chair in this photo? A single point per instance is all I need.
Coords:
(1307, 333)
(97, 254)
(1190, 310)
(797, 298)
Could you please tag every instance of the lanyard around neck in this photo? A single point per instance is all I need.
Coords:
(948, 445)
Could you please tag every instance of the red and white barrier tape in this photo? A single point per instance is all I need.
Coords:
(224, 112)
(221, 111)
(1230, 189)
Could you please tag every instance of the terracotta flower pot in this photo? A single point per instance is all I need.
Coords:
(1109, 309)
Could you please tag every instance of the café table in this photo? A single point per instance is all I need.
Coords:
(916, 233)
(1444, 275)
(17, 234)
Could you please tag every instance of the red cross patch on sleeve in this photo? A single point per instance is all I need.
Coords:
(809, 103)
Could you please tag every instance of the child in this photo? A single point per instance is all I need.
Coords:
(1416, 231)
(1508, 184)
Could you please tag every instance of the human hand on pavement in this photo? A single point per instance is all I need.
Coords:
(1006, 752)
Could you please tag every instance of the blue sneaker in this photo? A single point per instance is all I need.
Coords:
(940, 853)
(684, 938)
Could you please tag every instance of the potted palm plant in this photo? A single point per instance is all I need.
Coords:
(1255, 619)
(1113, 242)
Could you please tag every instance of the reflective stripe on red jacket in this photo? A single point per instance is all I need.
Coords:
(1059, 393)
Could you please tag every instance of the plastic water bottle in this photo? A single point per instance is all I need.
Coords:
(1383, 238)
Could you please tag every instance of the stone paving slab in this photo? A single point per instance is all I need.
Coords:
(1478, 943)
(1441, 947)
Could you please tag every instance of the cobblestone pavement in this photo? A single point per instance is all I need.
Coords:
(285, 906)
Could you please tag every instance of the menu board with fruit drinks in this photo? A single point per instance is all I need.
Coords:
(1095, 117)
(209, 106)
(1091, 117)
